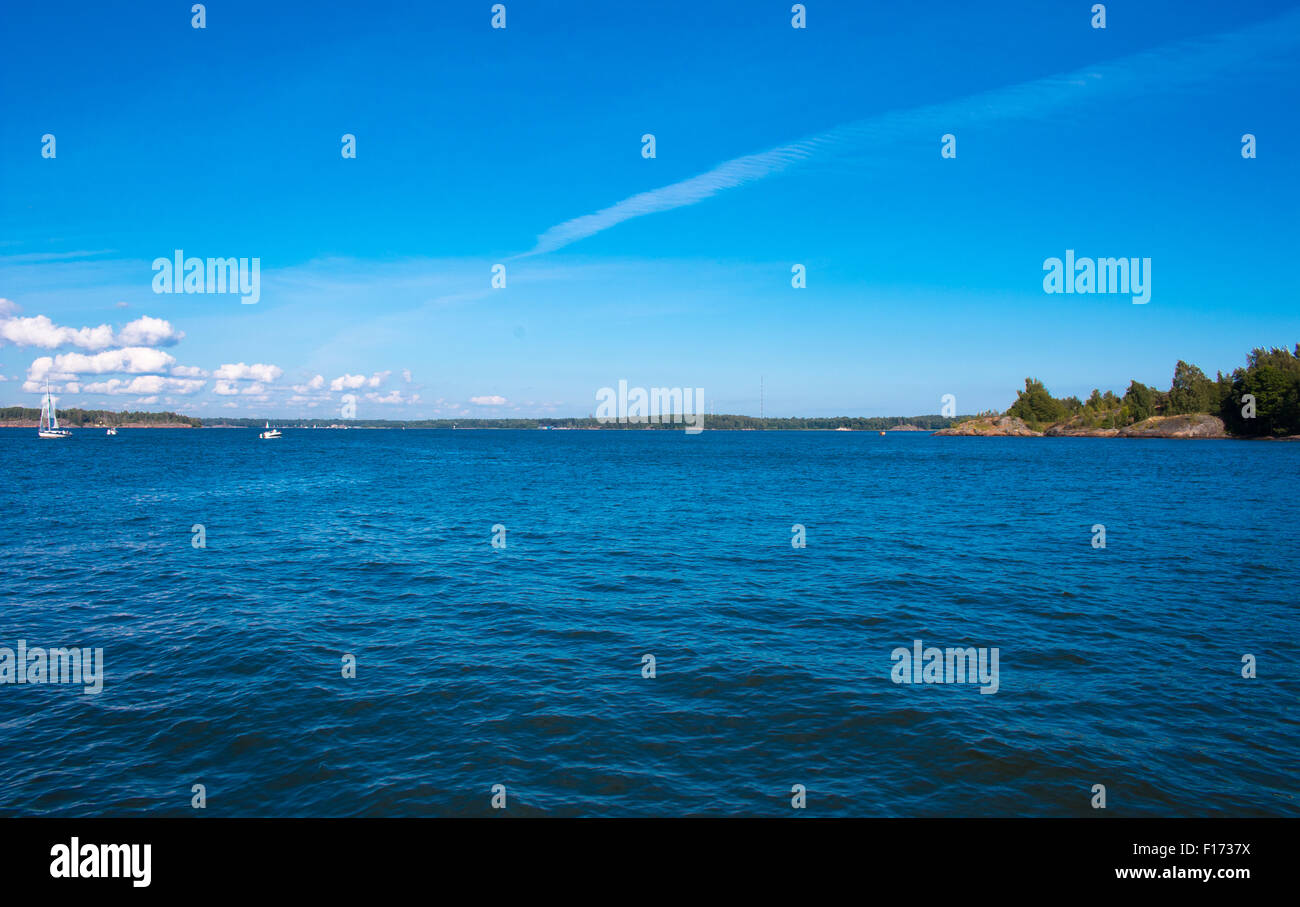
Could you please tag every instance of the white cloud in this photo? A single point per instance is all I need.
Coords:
(144, 384)
(392, 397)
(491, 400)
(239, 371)
(146, 331)
(378, 378)
(189, 371)
(406, 375)
(131, 360)
(230, 388)
(347, 382)
(314, 384)
(40, 331)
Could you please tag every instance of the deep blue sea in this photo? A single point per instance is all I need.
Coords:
(522, 665)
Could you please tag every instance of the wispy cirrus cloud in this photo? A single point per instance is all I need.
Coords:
(28, 258)
(1160, 68)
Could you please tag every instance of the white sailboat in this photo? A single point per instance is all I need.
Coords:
(270, 432)
(49, 427)
(111, 431)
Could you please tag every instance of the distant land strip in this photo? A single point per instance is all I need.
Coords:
(20, 417)
(723, 422)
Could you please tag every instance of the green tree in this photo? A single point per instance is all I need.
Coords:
(1272, 378)
(1139, 402)
(1035, 405)
(1191, 391)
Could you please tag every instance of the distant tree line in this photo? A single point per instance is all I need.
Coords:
(81, 418)
(729, 422)
(722, 422)
(1260, 399)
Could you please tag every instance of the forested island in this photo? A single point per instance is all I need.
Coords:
(1259, 400)
(23, 417)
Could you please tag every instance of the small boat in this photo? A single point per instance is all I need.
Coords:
(49, 427)
(111, 431)
(270, 432)
(882, 434)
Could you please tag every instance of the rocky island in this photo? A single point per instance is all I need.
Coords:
(1261, 400)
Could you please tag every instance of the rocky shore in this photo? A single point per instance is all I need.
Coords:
(1198, 425)
(1007, 426)
(20, 423)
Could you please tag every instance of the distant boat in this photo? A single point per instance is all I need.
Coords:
(270, 432)
(49, 427)
(844, 428)
(882, 434)
(111, 431)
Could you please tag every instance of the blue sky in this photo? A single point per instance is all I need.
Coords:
(775, 146)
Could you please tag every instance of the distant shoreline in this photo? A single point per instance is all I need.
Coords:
(34, 424)
(19, 417)
(911, 431)
(284, 426)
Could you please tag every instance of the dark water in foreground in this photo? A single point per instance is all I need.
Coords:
(522, 666)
